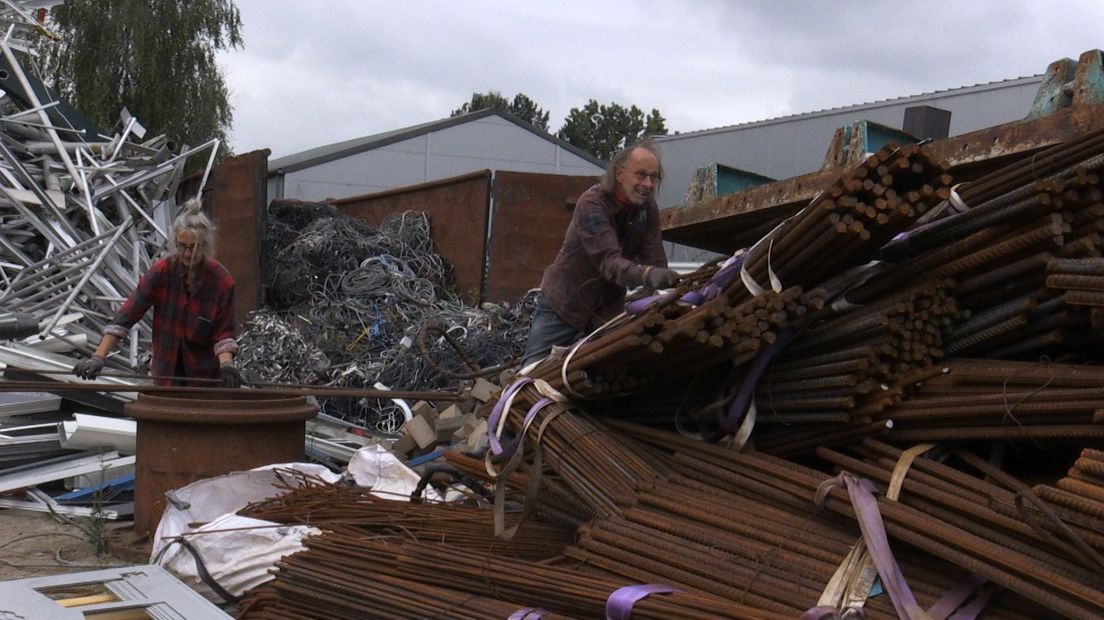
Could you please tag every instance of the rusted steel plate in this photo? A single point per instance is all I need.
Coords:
(237, 202)
(530, 216)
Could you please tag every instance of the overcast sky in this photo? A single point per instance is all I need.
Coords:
(312, 73)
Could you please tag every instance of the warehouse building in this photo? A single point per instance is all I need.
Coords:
(484, 140)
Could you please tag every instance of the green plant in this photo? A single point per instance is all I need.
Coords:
(96, 528)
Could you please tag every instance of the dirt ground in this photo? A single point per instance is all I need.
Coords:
(34, 544)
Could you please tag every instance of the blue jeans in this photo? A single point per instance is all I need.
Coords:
(546, 330)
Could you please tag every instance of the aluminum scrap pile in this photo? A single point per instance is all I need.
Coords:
(83, 212)
(352, 305)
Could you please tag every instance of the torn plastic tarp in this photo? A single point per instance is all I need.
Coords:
(241, 559)
(377, 469)
(238, 552)
(208, 501)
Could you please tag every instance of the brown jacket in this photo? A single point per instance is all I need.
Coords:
(605, 251)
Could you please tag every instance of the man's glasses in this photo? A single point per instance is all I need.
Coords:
(186, 246)
(642, 176)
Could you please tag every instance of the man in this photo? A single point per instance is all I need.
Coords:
(192, 296)
(611, 244)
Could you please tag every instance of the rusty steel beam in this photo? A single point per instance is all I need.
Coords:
(736, 220)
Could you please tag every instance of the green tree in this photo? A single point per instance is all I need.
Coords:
(602, 130)
(522, 107)
(154, 57)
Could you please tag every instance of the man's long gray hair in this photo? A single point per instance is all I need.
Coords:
(609, 177)
(193, 219)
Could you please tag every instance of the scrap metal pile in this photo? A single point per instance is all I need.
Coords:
(896, 308)
(352, 305)
(83, 212)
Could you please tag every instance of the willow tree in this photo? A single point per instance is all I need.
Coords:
(154, 57)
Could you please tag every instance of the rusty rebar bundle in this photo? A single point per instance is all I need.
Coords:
(852, 219)
(601, 468)
(472, 584)
(1082, 490)
(1015, 268)
(744, 526)
(834, 365)
(879, 356)
(355, 511)
(977, 399)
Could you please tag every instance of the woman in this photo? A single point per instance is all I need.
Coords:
(192, 296)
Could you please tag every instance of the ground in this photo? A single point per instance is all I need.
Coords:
(34, 544)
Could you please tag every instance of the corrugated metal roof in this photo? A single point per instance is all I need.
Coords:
(338, 150)
(860, 106)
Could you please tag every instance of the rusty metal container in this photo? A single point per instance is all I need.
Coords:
(184, 437)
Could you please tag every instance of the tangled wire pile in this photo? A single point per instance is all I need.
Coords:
(345, 305)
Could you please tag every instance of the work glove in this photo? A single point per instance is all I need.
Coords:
(230, 376)
(89, 368)
(658, 277)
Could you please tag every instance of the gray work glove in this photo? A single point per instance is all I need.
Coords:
(658, 277)
(89, 368)
(230, 376)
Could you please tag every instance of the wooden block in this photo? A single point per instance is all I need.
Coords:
(484, 390)
(465, 429)
(447, 426)
(404, 445)
(422, 432)
(426, 410)
(469, 404)
(477, 440)
(470, 422)
(452, 412)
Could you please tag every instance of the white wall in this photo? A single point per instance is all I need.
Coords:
(492, 143)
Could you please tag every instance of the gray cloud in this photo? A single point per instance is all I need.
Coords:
(315, 73)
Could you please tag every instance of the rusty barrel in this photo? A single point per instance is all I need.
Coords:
(184, 437)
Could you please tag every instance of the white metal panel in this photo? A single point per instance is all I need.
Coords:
(490, 143)
(86, 431)
(394, 165)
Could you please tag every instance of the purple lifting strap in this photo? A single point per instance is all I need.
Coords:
(510, 449)
(637, 306)
(723, 278)
(739, 407)
(821, 613)
(496, 413)
(527, 613)
(716, 285)
(874, 534)
(619, 604)
(973, 609)
(950, 605)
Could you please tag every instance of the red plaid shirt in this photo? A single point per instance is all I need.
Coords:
(193, 327)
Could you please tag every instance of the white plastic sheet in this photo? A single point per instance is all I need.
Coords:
(240, 559)
(375, 468)
(237, 551)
